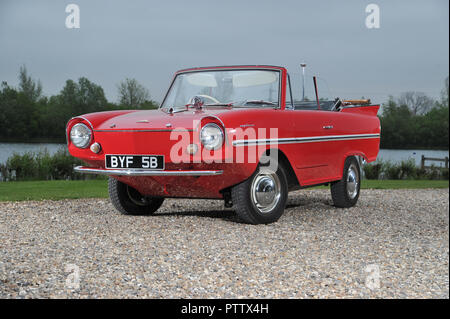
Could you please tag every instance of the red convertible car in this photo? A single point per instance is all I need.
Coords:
(233, 133)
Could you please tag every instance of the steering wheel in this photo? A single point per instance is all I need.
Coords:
(191, 100)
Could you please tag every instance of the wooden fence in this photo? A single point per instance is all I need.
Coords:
(433, 159)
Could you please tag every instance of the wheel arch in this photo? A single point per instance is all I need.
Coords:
(360, 158)
(292, 180)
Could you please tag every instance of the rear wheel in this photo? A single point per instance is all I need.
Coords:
(261, 199)
(345, 193)
(129, 201)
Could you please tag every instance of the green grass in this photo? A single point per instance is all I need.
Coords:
(39, 190)
(398, 184)
(55, 190)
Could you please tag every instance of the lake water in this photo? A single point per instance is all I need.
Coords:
(396, 156)
(7, 149)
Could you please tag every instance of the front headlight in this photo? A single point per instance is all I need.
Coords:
(211, 136)
(80, 135)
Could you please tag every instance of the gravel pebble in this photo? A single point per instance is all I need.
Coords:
(393, 244)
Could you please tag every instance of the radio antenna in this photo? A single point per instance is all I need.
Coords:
(317, 94)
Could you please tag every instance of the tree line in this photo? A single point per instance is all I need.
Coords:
(412, 120)
(27, 115)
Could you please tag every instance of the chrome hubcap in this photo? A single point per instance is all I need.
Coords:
(265, 191)
(352, 181)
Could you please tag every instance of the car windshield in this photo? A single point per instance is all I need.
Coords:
(245, 88)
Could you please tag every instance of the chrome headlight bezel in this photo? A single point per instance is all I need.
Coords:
(84, 133)
(206, 134)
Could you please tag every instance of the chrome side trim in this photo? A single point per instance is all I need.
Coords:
(147, 130)
(293, 140)
(142, 172)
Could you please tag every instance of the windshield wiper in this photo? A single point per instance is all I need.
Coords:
(260, 102)
(219, 104)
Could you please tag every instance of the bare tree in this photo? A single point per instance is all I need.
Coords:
(419, 103)
(27, 85)
(131, 93)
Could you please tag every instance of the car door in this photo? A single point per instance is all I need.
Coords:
(314, 154)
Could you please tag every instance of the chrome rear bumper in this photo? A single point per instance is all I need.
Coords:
(142, 172)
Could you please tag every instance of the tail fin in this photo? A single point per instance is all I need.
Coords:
(362, 109)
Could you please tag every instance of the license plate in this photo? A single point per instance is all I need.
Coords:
(135, 161)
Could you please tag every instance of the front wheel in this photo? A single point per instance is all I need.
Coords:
(261, 199)
(345, 193)
(129, 201)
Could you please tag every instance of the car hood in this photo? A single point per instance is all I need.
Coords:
(156, 120)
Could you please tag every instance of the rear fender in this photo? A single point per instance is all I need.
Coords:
(358, 155)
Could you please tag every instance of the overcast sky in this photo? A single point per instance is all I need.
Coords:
(150, 40)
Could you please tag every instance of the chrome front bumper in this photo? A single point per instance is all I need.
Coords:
(142, 172)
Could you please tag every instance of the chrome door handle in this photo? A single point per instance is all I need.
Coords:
(327, 127)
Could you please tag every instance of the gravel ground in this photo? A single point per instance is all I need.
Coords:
(393, 244)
